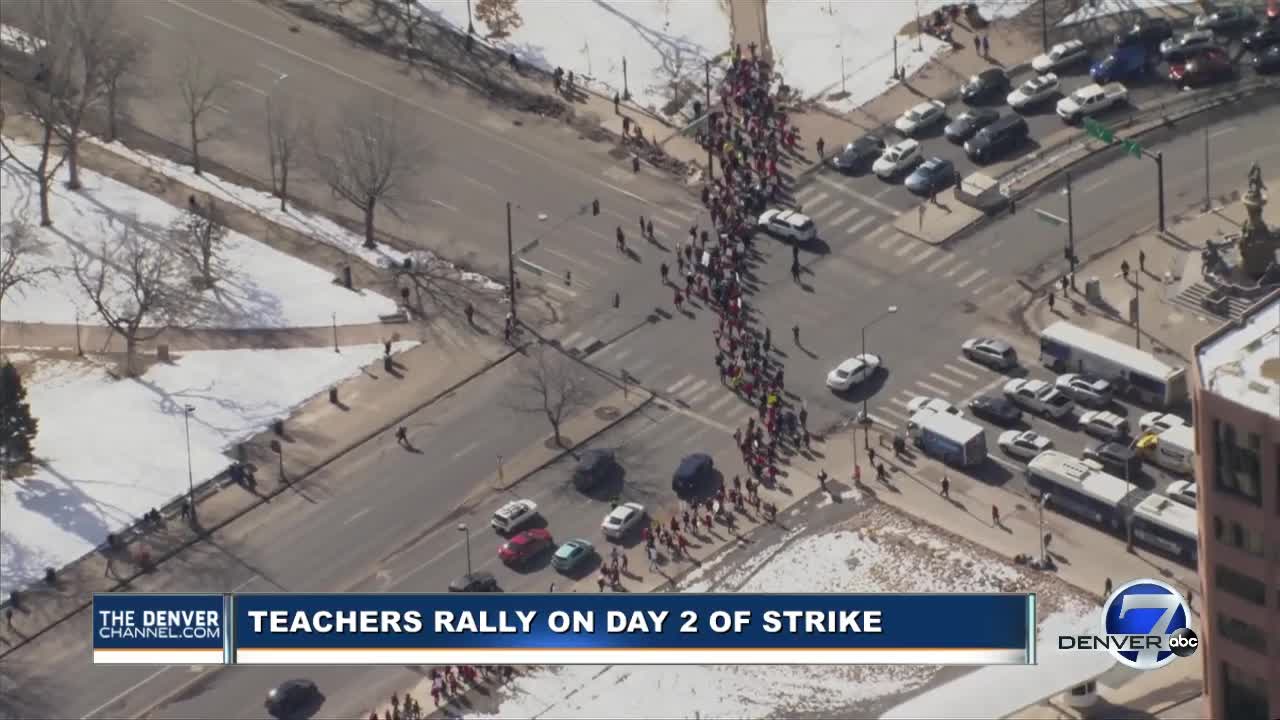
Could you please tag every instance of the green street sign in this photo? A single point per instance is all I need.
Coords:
(1097, 130)
(1050, 218)
(1133, 148)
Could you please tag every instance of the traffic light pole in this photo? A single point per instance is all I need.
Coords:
(1071, 234)
(511, 267)
(1159, 158)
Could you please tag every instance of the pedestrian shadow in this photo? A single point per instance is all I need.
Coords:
(632, 255)
(806, 287)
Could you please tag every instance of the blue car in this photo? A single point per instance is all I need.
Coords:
(933, 175)
(1126, 63)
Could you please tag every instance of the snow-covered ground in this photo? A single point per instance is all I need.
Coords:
(112, 449)
(257, 286)
(1105, 8)
(884, 553)
(665, 43)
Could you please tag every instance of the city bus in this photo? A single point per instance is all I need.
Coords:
(1075, 488)
(1068, 348)
(1167, 526)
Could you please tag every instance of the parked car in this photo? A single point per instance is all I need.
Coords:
(572, 554)
(997, 138)
(1116, 459)
(921, 403)
(1183, 491)
(1157, 422)
(1039, 397)
(594, 466)
(622, 519)
(1262, 38)
(1024, 444)
(931, 176)
(1208, 67)
(1228, 19)
(788, 224)
(513, 516)
(897, 159)
(1104, 424)
(996, 409)
(1062, 55)
(1086, 389)
(991, 352)
(920, 118)
(968, 123)
(1148, 33)
(693, 473)
(1185, 45)
(1034, 91)
(475, 582)
(525, 546)
(990, 84)
(1126, 63)
(852, 371)
(858, 154)
(291, 698)
(1267, 61)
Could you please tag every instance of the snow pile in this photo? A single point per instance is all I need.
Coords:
(111, 450)
(1106, 8)
(256, 285)
(664, 43)
(888, 553)
(19, 40)
(313, 226)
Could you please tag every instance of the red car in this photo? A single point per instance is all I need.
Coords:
(1207, 67)
(524, 546)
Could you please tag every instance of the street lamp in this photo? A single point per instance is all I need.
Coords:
(865, 416)
(462, 528)
(471, 29)
(191, 481)
(1044, 555)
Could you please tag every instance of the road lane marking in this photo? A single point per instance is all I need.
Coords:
(572, 259)
(922, 256)
(819, 208)
(503, 166)
(860, 224)
(689, 391)
(906, 248)
(1223, 131)
(882, 207)
(893, 239)
(814, 199)
(480, 184)
(678, 384)
(888, 189)
(275, 71)
(805, 193)
(116, 698)
(220, 109)
(969, 280)
(960, 371)
(466, 450)
(715, 406)
(555, 285)
(444, 205)
(1094, 186)
(932, 388)
(900, 402)
(900, 415)
(620, 355)
(358, 515)
(250, 88)
(945, 379)
(955, 269)
(946, 258)
(158, 21)
(567, 341)
(844, 216)
(663, 221)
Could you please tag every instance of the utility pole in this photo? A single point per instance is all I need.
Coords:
(626, 91)
(894, 74)
(1208, 204)
(1044, 25)
(511, 267)
(1071, 234)
(1160, 183)
(711, 165)
(1137, 317)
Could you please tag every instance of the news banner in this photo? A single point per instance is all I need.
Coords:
(564, 629)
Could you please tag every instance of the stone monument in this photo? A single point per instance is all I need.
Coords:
(1245, 265)
(1258, 244)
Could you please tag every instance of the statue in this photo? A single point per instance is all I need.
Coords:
(1257, 243)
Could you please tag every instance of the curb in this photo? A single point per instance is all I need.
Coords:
(205, 532)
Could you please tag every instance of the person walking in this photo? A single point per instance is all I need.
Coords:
(995, 516)
(1050, 299)
(402, 436)
(622, 240)
(821, 145)
(795, 333)
(664, 270)
(946, 487)
(1124, 269)
(1142, 261)
(648, 228)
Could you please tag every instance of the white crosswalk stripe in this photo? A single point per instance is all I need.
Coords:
(890, 241)
(895, 413)
(738, 412)
(906, 248)
(844, 216)
(969, 280)
(686, 393)
(807, 193)
(724, 399)
(702, 395)
(568, 341)
(864, 199)
(900, 402)
(956, 269)
(933, 266)
(960, 371)
(860, 224)
(945, 379)
(679, 384)
(922, 256)
(669, 223)
(620, 356)
(932, 388)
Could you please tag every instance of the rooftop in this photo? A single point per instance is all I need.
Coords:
(1241, 361)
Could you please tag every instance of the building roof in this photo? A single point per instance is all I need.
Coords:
(1241, 361)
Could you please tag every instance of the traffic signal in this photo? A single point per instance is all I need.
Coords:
(595, 206)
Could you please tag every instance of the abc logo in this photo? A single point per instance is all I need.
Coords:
(1149, 607)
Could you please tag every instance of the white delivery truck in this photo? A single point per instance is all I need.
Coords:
(949, 438)
(1175, 449)
(1090, 100)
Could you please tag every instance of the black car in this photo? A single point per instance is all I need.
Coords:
(986, 85)
(969, 123)
(998, 138)
(1116, 459)
(1232, 18)
(858, 154)
(996, 409)
(291, 698)
(476, 582)
(1264, 38)
(692, 474)
(594, 467)
(1267, 61)
(1148, 33)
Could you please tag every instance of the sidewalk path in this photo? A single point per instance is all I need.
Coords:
(98, 339)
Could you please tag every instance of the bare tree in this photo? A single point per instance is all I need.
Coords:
(551, 385)
(286, 128)
(198, 234)
(199, 85)
(91, 25)
(18, 246)
(118, 65)
(131, 285)
(500, 16)
(374, 158)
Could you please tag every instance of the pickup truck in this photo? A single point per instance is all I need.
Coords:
(1089, 100)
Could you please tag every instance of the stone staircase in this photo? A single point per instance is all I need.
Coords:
(1192, 298)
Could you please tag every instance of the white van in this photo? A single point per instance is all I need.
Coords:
(1175, 449)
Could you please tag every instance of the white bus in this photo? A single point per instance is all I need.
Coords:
(1168, 526)
(1074, 487)
(1067, 348)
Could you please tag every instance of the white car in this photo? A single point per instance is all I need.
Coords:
(788, 224)
(513, 516)
(1059, 56)
(1036, 90)
(1085, 389)
(939, 405)
(1103, 424)
(853, 371)
(1183, 491)
(1039, 397)
(897, 159)
(1024, 444)
(921, 117)
(1158, 422)
(622, 519)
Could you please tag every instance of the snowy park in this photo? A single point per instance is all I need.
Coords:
(878, 551)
